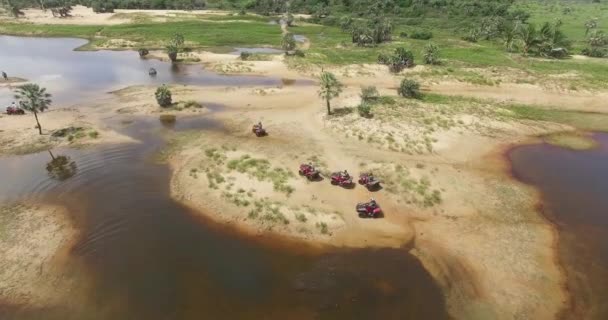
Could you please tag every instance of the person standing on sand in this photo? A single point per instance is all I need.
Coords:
(5, 76)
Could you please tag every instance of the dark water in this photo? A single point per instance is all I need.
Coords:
(148, 257)
(73, 76)
(574, 187)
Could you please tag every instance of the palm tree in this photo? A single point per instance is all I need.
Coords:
(509, 36)
(33, 98)
(330, 88)
(528, 35)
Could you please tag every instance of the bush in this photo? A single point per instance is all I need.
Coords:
(192, 104)
(403, 35)
(595, 52)
(299, 53)
(365, 110)
(143, 52)
(399, 60)
(409, 89)
(430, 55)
(472, 36)
(245, 55)
(421, 35)
(369, 94)
(163, 96)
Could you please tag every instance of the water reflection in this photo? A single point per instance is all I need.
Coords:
(61, 167)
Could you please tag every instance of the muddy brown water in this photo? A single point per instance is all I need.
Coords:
(148, 257)
(574, 186)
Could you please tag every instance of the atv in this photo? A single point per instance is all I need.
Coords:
(258, 130)
(340, 179)
(14, 111)
(309, 172)
(369, 210)
(369, 181)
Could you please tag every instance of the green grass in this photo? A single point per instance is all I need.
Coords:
(200, 33)
(590, 121)
(263, 171)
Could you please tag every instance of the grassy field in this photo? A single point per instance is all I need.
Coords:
(197, 32)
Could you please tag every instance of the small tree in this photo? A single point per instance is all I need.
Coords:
(289, 19)
(430, 54)
(288, 43)
(175, 46)
(330, 88)
(163, 96)
(33, 99)
(172, 52)
(409, 89)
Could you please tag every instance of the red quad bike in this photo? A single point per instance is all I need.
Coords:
(369, 210)
(258, 130)
(309, 172)
(338, 179)
(13, 111)
(369, 181)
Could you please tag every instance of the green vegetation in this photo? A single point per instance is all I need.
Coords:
(34, 99)
(288, 42)
(163, 96)
(399, 60)
(262, 171)
(409, 89)
(431, 54)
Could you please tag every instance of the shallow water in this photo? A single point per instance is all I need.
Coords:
(73, 76)
(573, 186)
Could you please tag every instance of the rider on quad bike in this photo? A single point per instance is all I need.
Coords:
(369, 181)
(309, 171)
(341, 178)
(258, 129)
(370, 209)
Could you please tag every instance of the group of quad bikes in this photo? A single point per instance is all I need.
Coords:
(365, 209)
(369, 209)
